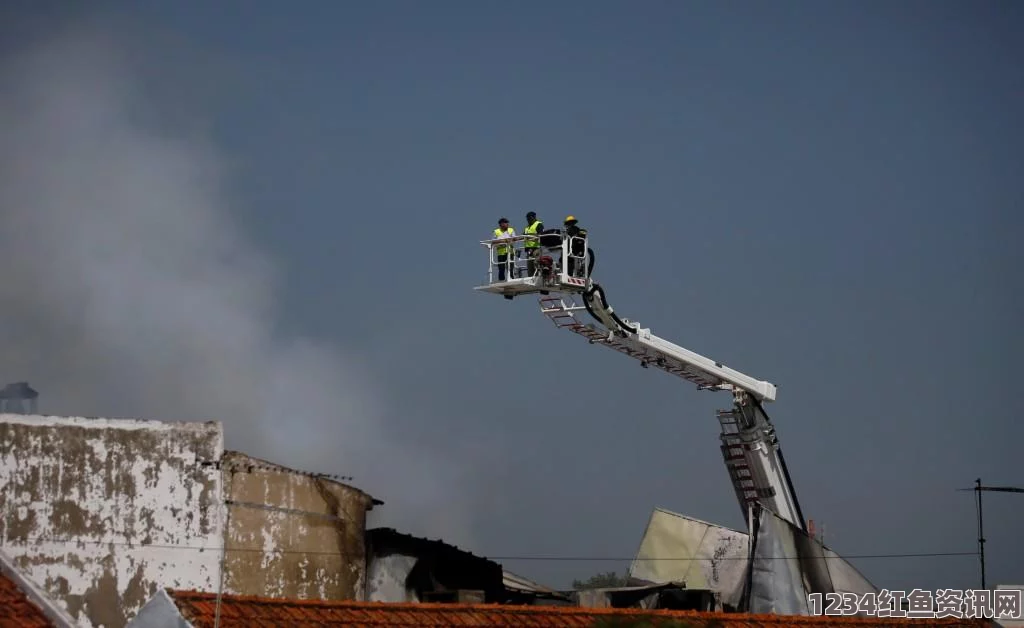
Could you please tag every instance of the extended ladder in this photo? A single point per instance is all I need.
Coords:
(562, 312)
(735, 456)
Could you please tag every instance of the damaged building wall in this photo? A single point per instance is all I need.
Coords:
(292, 534)
(405, 568)
(387, 578)
(101, 513)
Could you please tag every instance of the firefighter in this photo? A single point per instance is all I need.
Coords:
(576, 240)
(504, 251)
(534, 227)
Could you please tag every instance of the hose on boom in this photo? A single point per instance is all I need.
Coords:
(596, 289)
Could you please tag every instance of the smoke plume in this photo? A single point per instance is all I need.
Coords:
(130, 289)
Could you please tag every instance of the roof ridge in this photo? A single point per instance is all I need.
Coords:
(231, 458)
(564, 611)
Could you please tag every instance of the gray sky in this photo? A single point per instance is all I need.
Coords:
(270, 216)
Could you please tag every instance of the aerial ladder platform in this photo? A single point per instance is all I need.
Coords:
(558, 268)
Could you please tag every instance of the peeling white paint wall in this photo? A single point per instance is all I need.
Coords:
(103, 512)
(293, 534)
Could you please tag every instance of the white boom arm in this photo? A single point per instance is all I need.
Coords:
(724, 377)
(750, 447)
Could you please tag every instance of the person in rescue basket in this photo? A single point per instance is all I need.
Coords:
(532, 247)
(504, 264)
(577, 246)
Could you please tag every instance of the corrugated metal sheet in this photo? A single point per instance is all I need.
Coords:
(786, 564)
(519, 583)
(776, 582)
(677, 548)
(845, 577)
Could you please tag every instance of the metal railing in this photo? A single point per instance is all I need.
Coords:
(509, 258)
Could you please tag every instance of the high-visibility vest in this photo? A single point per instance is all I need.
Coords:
(503, 250)
(531, 230)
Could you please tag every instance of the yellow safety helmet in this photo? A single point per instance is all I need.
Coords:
(570, 218)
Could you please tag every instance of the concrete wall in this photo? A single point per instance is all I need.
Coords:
(292, 534)
(101, 513)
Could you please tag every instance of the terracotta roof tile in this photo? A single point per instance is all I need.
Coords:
(16, 611)
(201, 608)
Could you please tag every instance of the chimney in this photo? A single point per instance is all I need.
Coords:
(18, 398)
